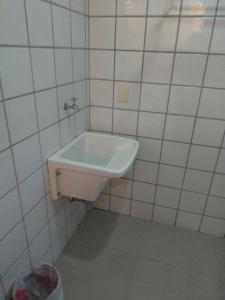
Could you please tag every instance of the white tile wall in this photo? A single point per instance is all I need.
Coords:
(175, 105)
(37, 78)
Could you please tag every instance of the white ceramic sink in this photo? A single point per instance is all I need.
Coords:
(82, 168)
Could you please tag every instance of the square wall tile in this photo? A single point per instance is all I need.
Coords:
(120, 205)
(50, 141)
(43, 68)
(61, 26)
(209, 132)
(65, 93)
(212, 104)
(7, 179)
(179, 128)
(40, 29)
(167, 197)
(151, 125)
(36, 220)
(206, 7)
(157, 67)
(47, 108)
(4, 142)
(170, 176)
(101, 64)
(27, 157)
(144, 192)
(154, 97)
(101, 119)
(149, 149)
(218, 185)
(11, 247)
(221, 162)
(79, 65)
(141, 210)
(13, 32)
(121, 187)
(57, 223)
(67, 130)
(65, 3)
(215, 207)
(164, 215)
(130, 33)
(174, 153)
(2, 294)
(63, 60)
(194, 34)
(213, 226)
(102, 31)
(184, 100)
(163, 7)
(102, 202)
(58, 245)
(189, 69)
(221, 7)
(197, 181)
(203, 158)
(15, 71)
(133, 7)
(80, 91)
(21, 264)
(21, 123)
(78, 5)
(145, 171)
(192, 202)
(10, 212)
(78, 30)
(101, 93)
(31, 191)
(215, 72)
(40, 245)
(133, 95)
(161, 34)
(128, 65)
(125, 122)
(217, 45)
(188, 221)
(98, 8)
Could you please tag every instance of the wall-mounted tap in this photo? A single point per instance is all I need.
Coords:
(73, 105)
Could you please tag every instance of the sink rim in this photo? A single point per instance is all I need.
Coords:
(92, 168)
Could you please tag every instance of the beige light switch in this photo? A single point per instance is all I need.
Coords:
(123, 93)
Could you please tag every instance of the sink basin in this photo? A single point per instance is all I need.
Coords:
(83, 167)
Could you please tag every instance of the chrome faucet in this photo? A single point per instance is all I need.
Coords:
(73, 105)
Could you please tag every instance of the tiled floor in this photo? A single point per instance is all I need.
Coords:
(114, 257)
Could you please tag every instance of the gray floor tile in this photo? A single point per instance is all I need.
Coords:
(114, 257)
(93, 273)
(155, 280)
(120, 232)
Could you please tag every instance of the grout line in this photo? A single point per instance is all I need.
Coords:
(15, 173)
(113, 81)
(196, 117)
(211, 182)
(36, 111)
(131, 277)
(140, 94)
(43, 90)
(161, 83)
(158, 16)
(159, 112)
(167, 107)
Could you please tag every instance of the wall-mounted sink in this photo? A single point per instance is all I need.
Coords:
(82, 168)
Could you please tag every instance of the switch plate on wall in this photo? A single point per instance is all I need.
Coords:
(123, 92)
